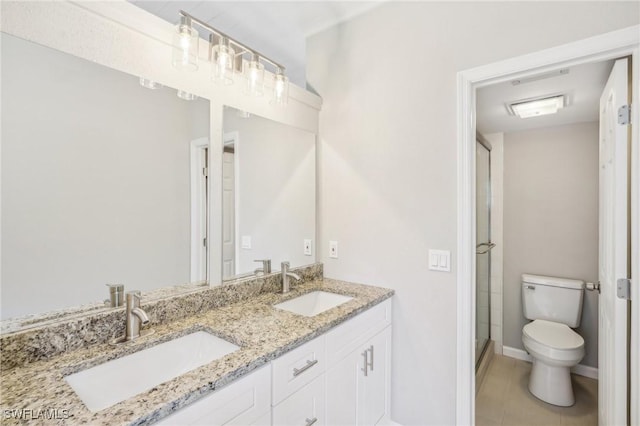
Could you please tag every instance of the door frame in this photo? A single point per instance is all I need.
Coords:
(199, 211)
(227, 138)
(616, 44)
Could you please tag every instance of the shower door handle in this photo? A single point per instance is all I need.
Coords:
(488, 245)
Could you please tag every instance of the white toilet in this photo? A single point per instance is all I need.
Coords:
(555, 306)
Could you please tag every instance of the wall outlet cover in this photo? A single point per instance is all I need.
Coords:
(307, 247)
(333, 249)
(246, 242)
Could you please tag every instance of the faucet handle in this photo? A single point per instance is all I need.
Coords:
(266, 265)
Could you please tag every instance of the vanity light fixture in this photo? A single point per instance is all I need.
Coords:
(149, 84)
(185, 45)
(222, 56)
(280, 88)
(186, 95)
(537, 107)
(254, 71)
(227, 56)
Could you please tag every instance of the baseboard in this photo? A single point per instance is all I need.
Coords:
(521, 354)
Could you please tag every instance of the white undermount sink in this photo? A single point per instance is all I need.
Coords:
(313, 303)
(106, 384)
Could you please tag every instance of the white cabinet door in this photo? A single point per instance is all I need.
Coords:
(373, 404)
(305, 407)
(359, 396)
(342, 390)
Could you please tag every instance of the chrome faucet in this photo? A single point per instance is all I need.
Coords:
(266, 266)
(136, 317)
(286, 275)
(116, 291)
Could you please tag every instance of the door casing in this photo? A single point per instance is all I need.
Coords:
(613, 45)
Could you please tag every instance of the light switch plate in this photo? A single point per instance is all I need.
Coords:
(440, 260)
(333, 249)
(246, 242)
(307, 247)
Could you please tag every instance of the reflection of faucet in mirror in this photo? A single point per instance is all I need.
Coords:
(116, 293)
(286, 275)
(136, 317)
(266, 266)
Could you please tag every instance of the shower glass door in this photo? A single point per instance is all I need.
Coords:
(483, 247)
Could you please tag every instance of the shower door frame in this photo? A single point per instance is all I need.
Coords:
(612, 45)
(486, 145)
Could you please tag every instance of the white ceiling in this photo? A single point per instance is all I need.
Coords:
(275, 29)
(582, 87)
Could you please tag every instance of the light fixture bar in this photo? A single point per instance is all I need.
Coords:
(243, 47)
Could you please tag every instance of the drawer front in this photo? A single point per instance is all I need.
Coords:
(348, 337)
(297, 368)
(242, 402)
(305, 407)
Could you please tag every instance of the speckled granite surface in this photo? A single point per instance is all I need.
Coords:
(83, 329)
(262, 331)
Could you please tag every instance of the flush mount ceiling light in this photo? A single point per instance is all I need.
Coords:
(537, 107)
(227, 57)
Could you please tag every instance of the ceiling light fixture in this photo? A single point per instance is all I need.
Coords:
(227, 56)
(537, 107)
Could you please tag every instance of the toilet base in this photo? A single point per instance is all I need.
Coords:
(551, 384)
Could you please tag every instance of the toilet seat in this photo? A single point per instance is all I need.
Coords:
(552, 340)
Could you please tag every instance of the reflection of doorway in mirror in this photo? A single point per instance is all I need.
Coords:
(199, 208)
(228, 205)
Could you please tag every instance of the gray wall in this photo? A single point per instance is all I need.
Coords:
(95, 180)
(387, 158)
(551, 219)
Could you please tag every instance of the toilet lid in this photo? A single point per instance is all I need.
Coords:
(553, 334)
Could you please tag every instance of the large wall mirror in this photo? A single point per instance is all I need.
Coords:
(269, 194)
(99, 180)
(105, 181)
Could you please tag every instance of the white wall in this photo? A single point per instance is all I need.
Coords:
(388, 158)
(276, 182)
(551, 219)
(95, 180)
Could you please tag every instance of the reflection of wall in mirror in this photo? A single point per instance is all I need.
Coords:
(275, 190)
(95, 180)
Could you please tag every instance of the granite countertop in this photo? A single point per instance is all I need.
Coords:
(262, 332)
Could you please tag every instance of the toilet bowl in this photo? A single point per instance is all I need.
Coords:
(555, 307)
(555, 348)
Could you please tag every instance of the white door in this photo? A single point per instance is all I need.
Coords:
(228, 216)
(613, 346)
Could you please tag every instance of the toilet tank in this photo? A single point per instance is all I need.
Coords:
(552, 299)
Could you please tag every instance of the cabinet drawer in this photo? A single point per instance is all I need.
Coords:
(243, 402)
(305, 407)
(348, 337)
(297, 368)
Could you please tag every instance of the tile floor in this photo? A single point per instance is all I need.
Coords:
(504, 399)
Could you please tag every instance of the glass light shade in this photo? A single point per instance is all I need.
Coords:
(149, 84)
(254, 71)
(280, 89)
(223, 57)
(185, 46)
(186, 95)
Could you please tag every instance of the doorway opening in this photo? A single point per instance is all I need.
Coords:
(608, 47)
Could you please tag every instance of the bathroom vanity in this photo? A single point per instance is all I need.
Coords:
(288, 368)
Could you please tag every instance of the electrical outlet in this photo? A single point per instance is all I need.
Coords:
(246, 242)
(307, 247)
(333, 249)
